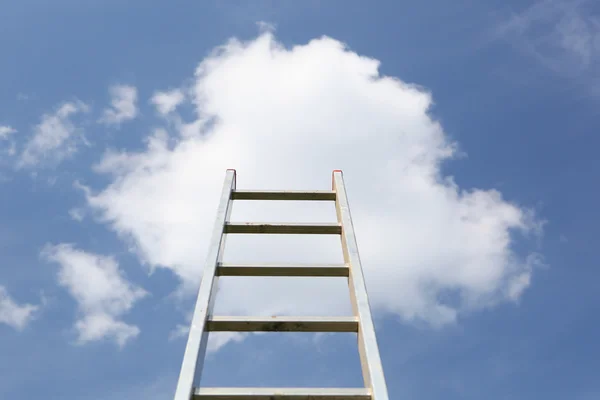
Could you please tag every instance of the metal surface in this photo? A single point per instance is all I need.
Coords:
(325, 270)
(204, 322)
(367, 341)
(319, 195)
(284, 228)
(282, 324)
(282, 394)
(195, 349)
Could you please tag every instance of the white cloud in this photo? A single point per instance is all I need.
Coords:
(285, 118)
(6, 132)
(13, 314)
(102, 292)
(167, 102)
(123, 105)
(55, 138)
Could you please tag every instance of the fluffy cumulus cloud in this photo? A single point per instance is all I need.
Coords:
(285, 118)
(123, 105)
(101, 290)
(14, 314)
(55, 138)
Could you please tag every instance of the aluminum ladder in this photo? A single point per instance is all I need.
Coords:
(204, 321)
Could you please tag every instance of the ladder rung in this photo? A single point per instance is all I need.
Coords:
(283, 195)
(282, 324)
(329, 270)
(284, 228)
(281, 394)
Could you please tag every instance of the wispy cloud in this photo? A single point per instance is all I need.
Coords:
(54, 139)
(6, 131)
(123, 105)
(563, 35)
(101, 290)
(216, 340)
(13, 314)
(77, 214)
(7, 145)
(167, 102)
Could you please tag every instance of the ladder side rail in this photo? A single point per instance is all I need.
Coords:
(372, 369)
(195, 351)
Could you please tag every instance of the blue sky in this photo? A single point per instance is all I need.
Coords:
(481, 286)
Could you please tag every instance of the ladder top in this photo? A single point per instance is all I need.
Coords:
(339, 171)
(234, 170)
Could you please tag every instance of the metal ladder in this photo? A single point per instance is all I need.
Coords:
(204, 322)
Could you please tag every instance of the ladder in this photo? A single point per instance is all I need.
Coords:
(203, 321)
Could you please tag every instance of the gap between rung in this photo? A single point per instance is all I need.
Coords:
(281, 394)
(308, 270)
(284, 228)
(317, 195)
(282, 324)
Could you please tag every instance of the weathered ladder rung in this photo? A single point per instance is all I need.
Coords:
(322, 195)
(282, 324)
(281, 394)
(312, 270)
(284, 228)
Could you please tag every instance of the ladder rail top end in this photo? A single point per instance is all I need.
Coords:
(339, 171)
